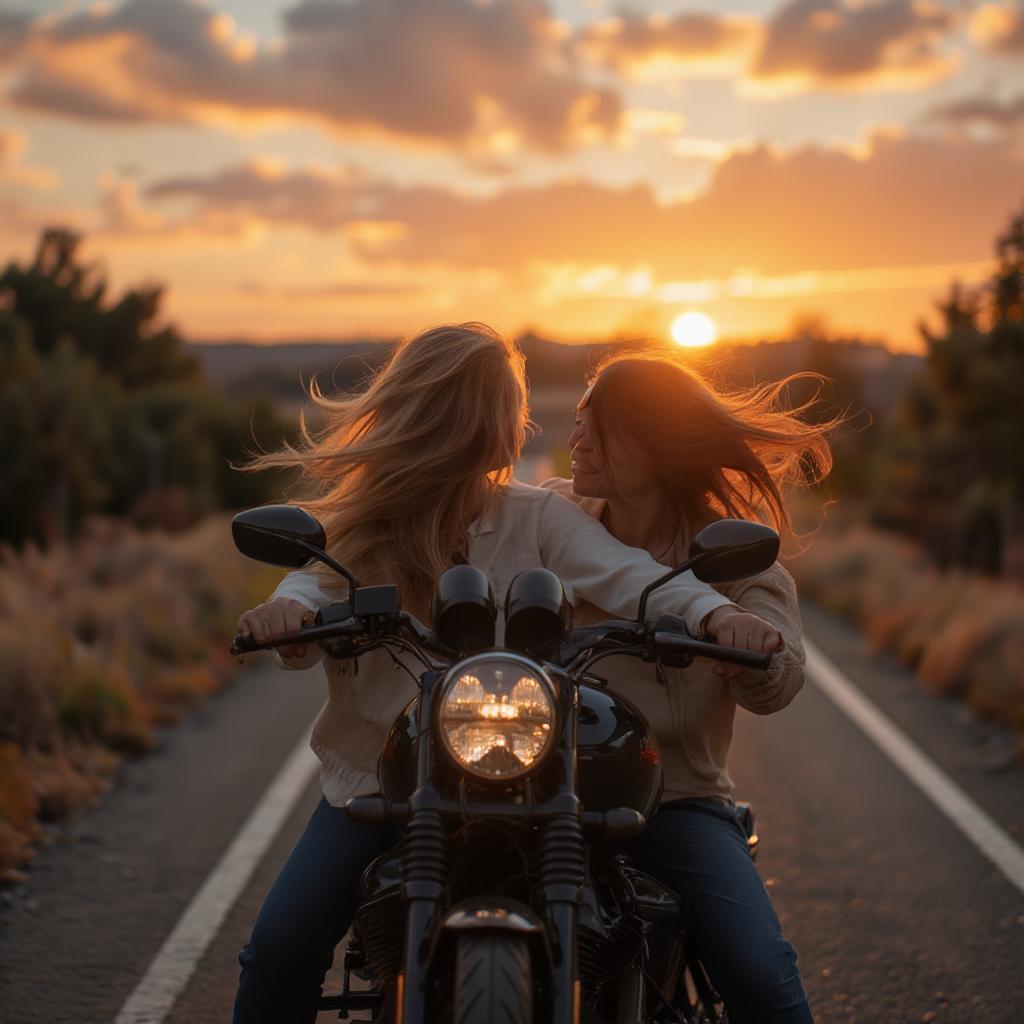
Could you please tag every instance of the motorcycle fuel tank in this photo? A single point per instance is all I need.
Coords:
(618, 759)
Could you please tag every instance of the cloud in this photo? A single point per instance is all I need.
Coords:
(895, 200)
(487, 77)
(323, 200)
(845, 46)
(13, 30)
(999, 28)
(336, 290)
(14, 172)
(689, 43)
(980, 111)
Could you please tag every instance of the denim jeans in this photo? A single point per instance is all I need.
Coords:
(306, 914)
(697, 847)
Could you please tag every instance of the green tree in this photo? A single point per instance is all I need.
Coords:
(954, 475)
(62, 297)
(103, 409)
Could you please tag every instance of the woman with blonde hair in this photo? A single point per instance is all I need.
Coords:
(407, 477)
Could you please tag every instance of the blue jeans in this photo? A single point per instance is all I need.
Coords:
(306, 914)
(699, 848)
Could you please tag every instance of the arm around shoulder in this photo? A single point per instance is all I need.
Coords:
(611, 575)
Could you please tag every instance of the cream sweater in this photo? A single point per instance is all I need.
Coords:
(523, 528)
(692, 712)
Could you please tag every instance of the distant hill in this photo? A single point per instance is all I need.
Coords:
(241, 367)
(870, 373)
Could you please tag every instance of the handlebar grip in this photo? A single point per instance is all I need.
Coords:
(243, 643)
(671, 643)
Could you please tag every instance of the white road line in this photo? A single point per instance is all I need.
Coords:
(947, 796)
(172, 967)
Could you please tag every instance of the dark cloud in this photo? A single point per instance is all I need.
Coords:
(633, 40)
(901, 201)
(436, 71)
(980, 111)
(13, 32)
(837, 43)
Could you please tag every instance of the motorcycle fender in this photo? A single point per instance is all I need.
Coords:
(493, 914)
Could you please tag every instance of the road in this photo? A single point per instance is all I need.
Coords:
(896, 916)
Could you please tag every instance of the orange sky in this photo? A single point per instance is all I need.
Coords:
(300, 170)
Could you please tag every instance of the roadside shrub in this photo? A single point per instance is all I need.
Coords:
(96, 702)
(962, 633)
(102, 642)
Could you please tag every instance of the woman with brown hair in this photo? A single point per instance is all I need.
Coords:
(657, 453)
(408, 476)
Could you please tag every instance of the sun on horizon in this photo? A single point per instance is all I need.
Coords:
(693, 330)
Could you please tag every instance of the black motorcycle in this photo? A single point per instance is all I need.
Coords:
(515, 776)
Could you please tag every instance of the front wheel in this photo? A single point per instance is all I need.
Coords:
(493, 981)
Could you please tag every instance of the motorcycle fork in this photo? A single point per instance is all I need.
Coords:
(562, 864)
(424, 867)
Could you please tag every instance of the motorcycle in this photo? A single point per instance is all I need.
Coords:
(515, 774)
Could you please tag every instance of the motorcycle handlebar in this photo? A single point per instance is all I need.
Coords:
(243, 643)
(666, 642)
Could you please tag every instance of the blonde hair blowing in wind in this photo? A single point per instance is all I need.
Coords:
(400, 470)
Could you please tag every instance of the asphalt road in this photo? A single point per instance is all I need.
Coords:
(895, 915)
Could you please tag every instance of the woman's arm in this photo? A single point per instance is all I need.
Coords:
(300, 587)
(772, 596)
(304, 587)
(595, 566)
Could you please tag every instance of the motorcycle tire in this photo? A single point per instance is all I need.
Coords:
(493, 979)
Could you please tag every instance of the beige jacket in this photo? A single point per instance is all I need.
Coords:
(524, 527)
(692, 712)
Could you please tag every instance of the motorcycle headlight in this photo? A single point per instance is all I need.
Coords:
(497, 716)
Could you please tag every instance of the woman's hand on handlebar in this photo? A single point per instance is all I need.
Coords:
(732, 627)
(277, 617)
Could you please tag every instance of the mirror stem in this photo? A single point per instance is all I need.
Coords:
(322, 556)
(662, 580)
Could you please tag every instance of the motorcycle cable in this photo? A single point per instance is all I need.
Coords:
(407, 645)
(593, 659)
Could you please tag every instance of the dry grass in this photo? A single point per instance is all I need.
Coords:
(100, 642)
(961, 633)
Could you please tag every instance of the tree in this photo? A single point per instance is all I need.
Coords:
(103, 409)
(955, 473)
(62, 297)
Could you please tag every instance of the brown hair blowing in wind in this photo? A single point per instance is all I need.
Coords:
(715, 453)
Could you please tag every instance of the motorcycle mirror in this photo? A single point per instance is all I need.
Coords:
(283, 535)
(464, 609)
(536, 612)
(733, 549)
(729, 549)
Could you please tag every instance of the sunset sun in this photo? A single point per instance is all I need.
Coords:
(693, 330)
